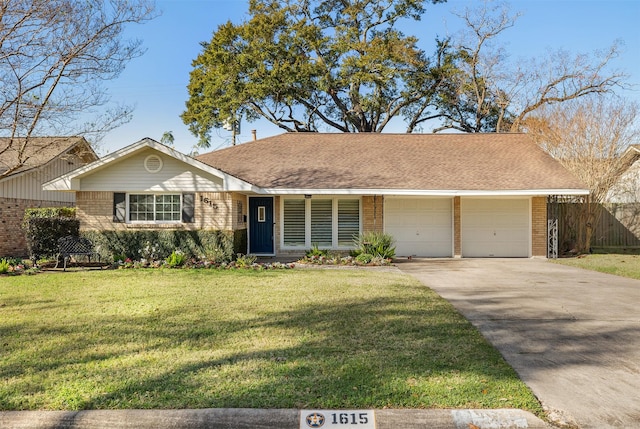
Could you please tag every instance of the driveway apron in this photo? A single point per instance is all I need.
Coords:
(572, 335)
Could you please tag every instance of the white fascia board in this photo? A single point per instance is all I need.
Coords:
(424, 192)
(71, 180)
(62, 184)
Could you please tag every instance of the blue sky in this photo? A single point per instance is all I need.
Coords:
(156, 82)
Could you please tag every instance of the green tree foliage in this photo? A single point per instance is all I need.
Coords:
(310, 65)
(318, 65)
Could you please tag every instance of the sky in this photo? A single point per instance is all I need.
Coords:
(156, 83)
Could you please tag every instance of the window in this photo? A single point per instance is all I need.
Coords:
(239, 214)
(348, 221)
(293, 231)
(154, 208)
(322, 222)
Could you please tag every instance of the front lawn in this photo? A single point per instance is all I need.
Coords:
(208, 339)
(621, 265)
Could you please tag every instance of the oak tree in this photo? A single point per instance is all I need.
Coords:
(312, 65)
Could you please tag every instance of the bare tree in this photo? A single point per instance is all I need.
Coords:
(54, 57)
(492, 95)
(476, 96)
(589, 136)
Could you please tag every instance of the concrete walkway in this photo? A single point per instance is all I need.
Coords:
(572, 335)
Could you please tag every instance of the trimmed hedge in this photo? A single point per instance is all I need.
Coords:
(219, 246)
(44, 226)
(240, 242)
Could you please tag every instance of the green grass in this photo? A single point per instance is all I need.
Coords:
(621, 265)
(199, 339)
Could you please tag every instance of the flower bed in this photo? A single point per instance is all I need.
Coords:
(331, 259)
(16, 266)
(247, 262)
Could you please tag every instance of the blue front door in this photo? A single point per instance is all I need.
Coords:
(261, 225)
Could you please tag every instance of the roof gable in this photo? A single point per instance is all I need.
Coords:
(40, 151)
(111, 171)
(432, 163)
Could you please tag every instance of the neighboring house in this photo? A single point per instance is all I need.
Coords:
(627, 187)
(438, 195)
(623, 200)
(44, 159)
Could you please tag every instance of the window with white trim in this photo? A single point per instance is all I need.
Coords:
(348, 221)
(321, 223)
(293, 231)
(155, 208)
(324, 222)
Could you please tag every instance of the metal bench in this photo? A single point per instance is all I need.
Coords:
(74, 246)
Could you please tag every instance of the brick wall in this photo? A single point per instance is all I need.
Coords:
(213, 211)
(95, 210)
(539, 226)
(457, 243)
(12, 239)
(372, 213)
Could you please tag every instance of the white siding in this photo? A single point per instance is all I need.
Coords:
(28, 186)
(627, 188)
(130, 175)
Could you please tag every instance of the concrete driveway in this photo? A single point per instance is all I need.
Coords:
(572, 335)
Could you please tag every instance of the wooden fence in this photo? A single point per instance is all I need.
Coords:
(617, 225)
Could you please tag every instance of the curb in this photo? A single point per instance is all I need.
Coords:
(245, 418)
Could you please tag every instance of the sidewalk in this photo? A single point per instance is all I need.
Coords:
(244, 418)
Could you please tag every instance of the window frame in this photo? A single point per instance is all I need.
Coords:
(308, 243)
(155, 211)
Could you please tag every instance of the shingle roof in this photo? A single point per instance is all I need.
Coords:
(438, 162)
(38, 152)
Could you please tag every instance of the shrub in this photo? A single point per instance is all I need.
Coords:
(149, 252)
(152, 246)
(245, 261)
(4, 266)
(364, 258)
(239, 241)
(176, 259)
(316, 252)
(44, 226)
(376, 244)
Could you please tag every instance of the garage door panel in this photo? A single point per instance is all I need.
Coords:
(495, 227)
(420, 226)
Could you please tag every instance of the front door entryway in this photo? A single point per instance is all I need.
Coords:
(261, 225)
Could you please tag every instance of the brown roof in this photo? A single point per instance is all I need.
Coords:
(437, 162)
(39, 151)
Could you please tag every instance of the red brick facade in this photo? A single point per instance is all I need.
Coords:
(12, 239)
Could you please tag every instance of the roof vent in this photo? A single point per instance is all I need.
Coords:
(153, 163)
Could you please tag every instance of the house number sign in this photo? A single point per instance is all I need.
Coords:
(208, 201)
(337, 419)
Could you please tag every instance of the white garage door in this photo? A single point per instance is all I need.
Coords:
(420, 226)
(494, 228)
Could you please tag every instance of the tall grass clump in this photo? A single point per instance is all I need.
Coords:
(376, 244)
